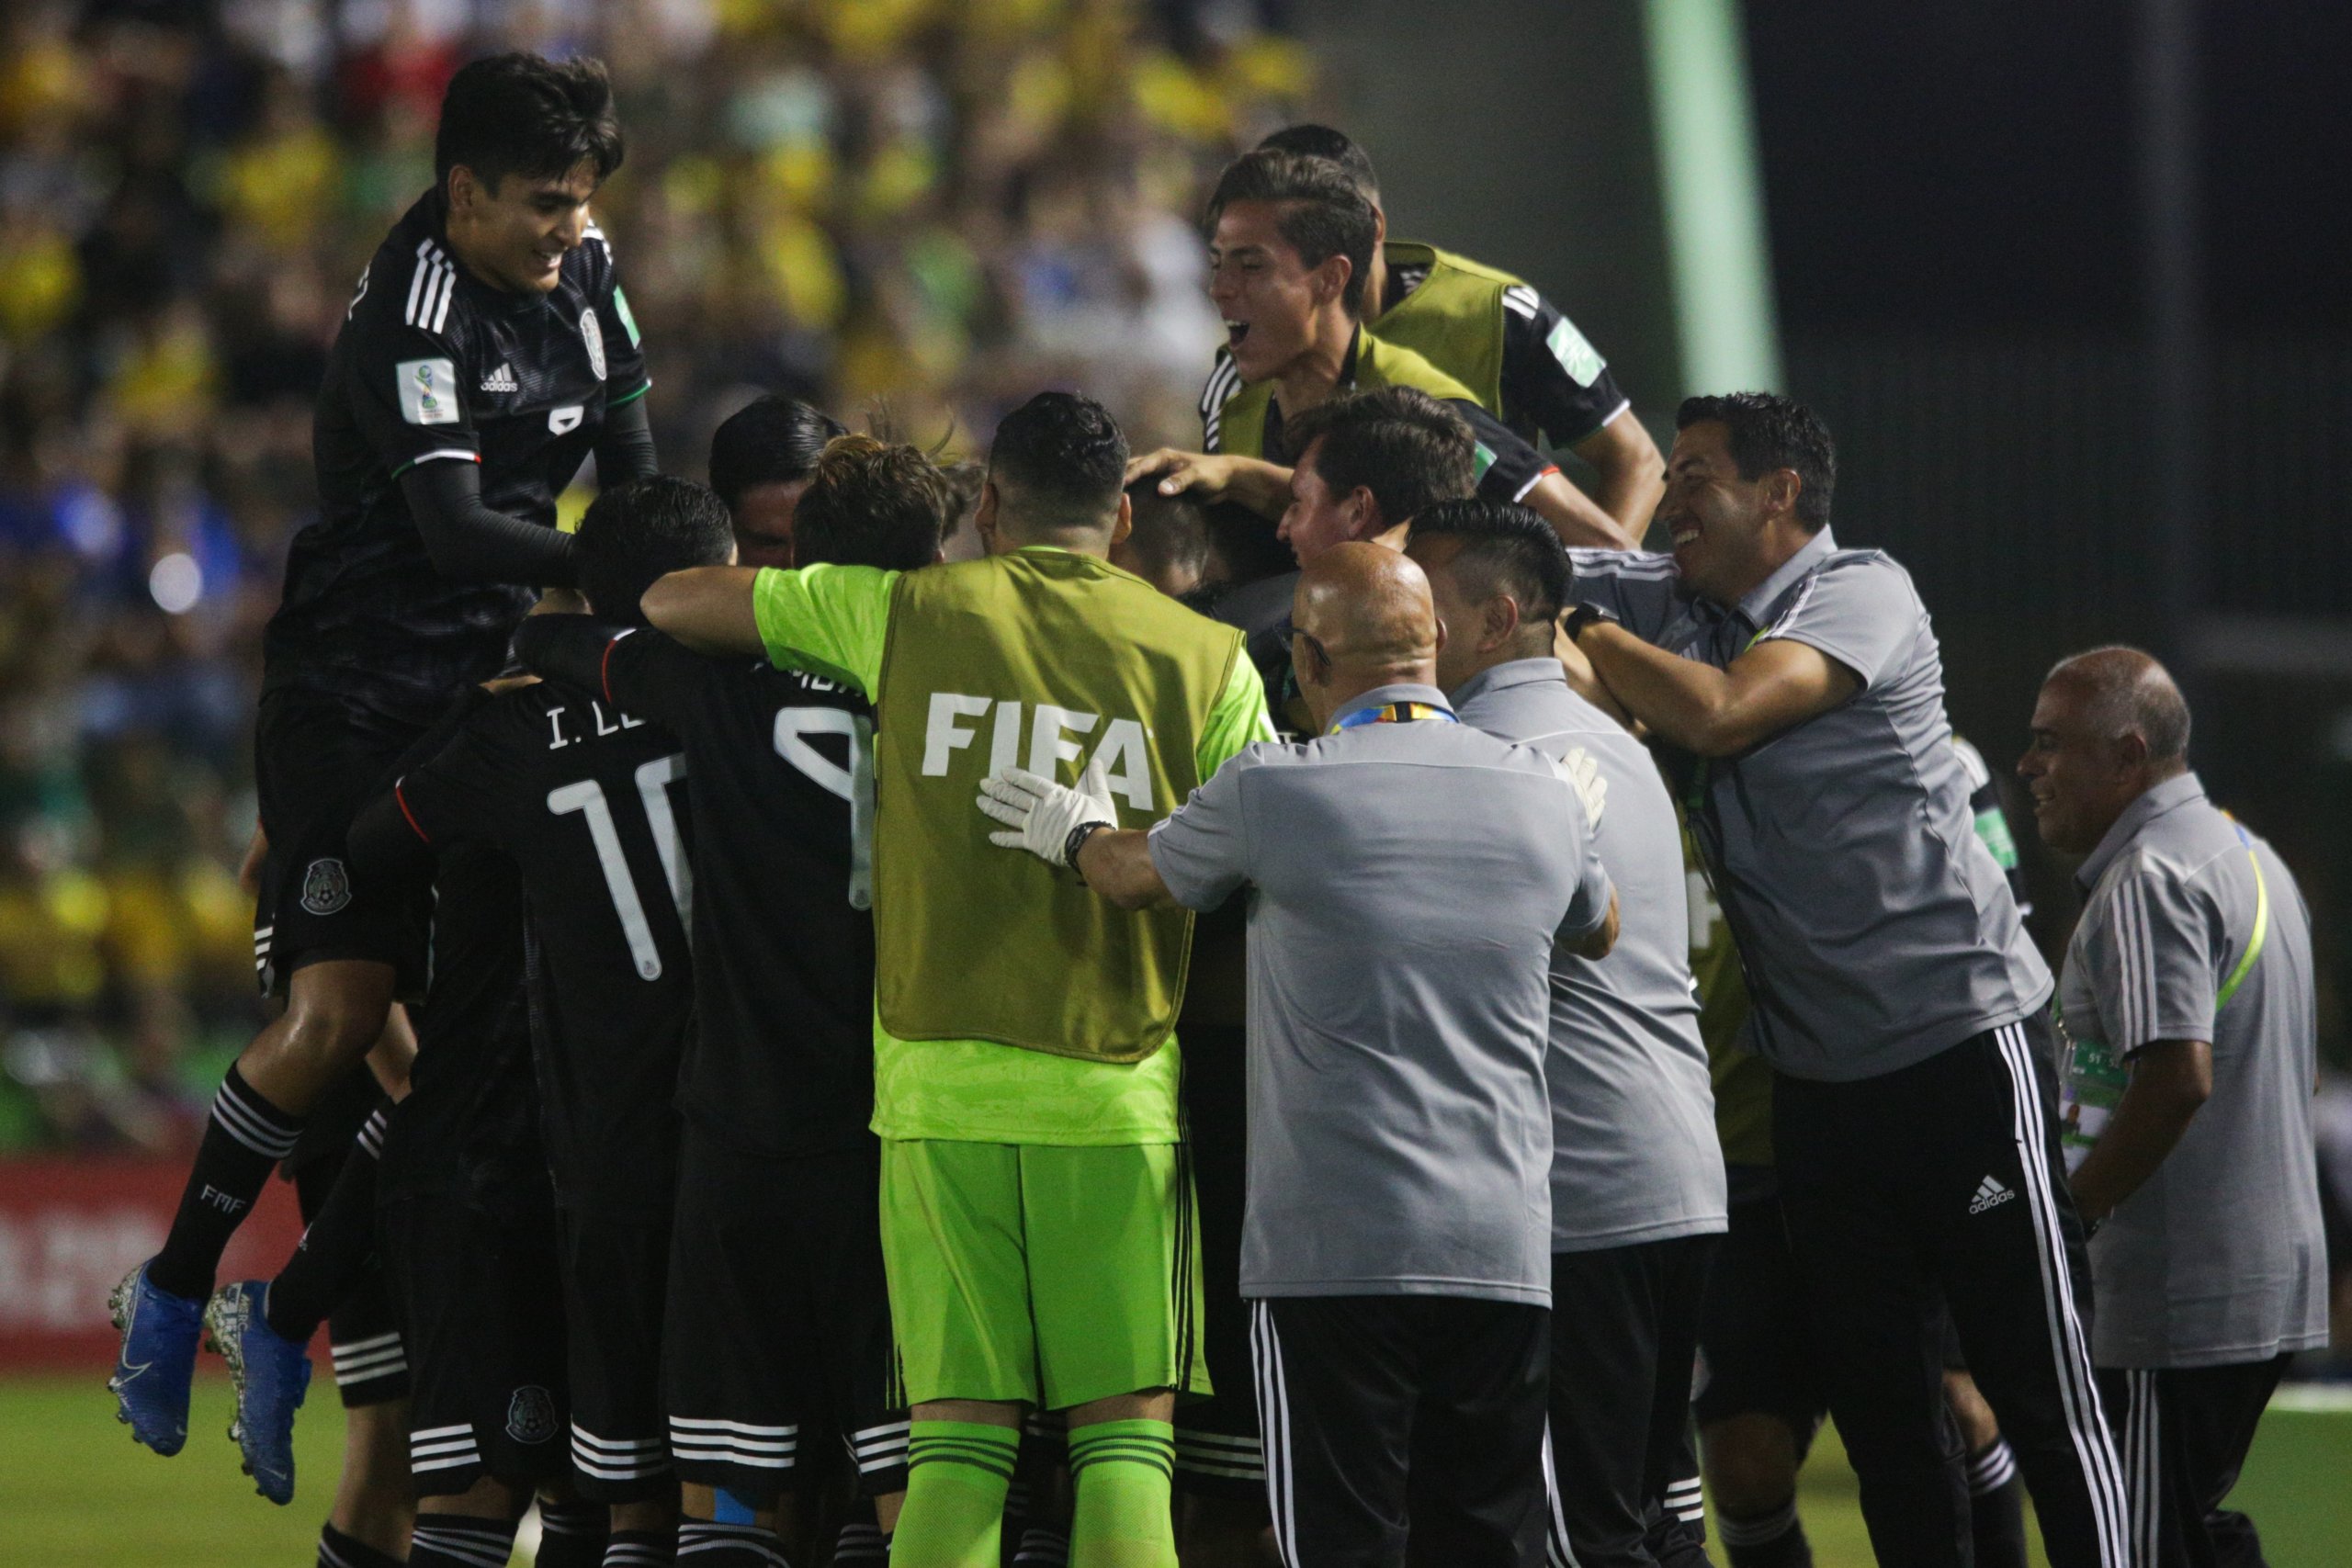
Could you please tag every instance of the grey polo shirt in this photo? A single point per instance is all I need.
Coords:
(2219, 1257)
(1873, 927)
(1406, 884)
(1633, 1151)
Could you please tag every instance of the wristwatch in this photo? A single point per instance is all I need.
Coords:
(1076, 842)
(1583, 615)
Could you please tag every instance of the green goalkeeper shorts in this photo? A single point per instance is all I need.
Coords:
(1048, 1275)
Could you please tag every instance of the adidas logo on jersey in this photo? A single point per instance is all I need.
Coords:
(500, 381)
(1989, 1194)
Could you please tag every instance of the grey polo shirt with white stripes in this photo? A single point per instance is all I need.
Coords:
(2219, 1257)
(1873, 927)
(1635, 1156)
(1406, 884)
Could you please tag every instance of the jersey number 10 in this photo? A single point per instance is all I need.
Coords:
(653, 781)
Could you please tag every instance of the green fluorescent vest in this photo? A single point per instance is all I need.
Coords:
(1243, 428)
(1044, 660)
(1454, 320)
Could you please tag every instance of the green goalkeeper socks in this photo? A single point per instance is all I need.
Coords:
(957, 1471)
(1123, 1471)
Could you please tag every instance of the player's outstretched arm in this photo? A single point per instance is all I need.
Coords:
(1210, 477)
(1051, 821)
(469, 542)
(1631, 471)
(625, 446)
(1579, 520)
(707, 608)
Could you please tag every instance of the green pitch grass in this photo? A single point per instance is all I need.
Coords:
(76, 1492)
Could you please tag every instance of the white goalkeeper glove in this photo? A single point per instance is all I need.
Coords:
(1040, 816)
(1579, 769)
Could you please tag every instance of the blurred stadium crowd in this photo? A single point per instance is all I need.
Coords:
(935, 204)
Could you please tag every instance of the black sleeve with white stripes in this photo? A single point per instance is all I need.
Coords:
(408, 370)
(1553, 379)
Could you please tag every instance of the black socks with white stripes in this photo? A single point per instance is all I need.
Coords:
(572, 1534)
(1772, 1541)
(338, 1550)
(245, 1138)
(641, 1548)
(1997, 1506)
(335, 1250)
(731, 1546)
(456, 1540)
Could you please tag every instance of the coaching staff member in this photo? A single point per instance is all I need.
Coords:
(2186, 1009)
(1637, 1175)
(1409, 874)
(1799, 690)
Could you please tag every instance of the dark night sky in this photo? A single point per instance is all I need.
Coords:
(1993, 185)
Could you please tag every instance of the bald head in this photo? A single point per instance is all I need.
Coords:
(2109, 726)
(1368, 612)
(2125, 692)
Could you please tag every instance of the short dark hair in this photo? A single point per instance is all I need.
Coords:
(1408, 449)
(524, 114)
(1769, 431)
(1321, 213)
(638, 531)
(1323, 142)
(1064, 457)
(770, 440)
(1171, 532)
(1511, 549)
(871, 502)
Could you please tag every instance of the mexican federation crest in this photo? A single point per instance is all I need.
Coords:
(530, 1414)
(325, 887)
(593, 334)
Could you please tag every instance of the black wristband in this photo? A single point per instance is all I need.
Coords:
(1076, 842)
(1583, 615)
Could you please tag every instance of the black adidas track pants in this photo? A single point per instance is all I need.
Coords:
(1941, 1183)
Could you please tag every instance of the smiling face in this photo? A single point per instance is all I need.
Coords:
(2080, 778)
(1270, 300)
(516, 234)
(1719, 522)
(1315, 518)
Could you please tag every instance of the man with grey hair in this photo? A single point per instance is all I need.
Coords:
(2186, 1011)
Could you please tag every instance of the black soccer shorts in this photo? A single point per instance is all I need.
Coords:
(482, 1309)
(316, 763)
(363, 1330)
(616, 1270)
(1218, 1452)
(779, 1321)
(1756, 1353)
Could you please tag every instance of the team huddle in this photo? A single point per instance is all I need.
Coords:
(1309, 1002)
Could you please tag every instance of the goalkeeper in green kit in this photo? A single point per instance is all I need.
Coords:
(1037, 1210)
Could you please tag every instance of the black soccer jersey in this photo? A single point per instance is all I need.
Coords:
(782, 1062)
(590, 802)
(1543, 356)
(432, 365)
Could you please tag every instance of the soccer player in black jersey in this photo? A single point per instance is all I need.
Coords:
(487, 352)
(589, 801)
(763, 458)
(1290, 242)
(1551, 378)
(778, 1341)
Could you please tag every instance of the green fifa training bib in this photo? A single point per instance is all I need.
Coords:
(1454, 320)
(1241, 429)
(1045, 660)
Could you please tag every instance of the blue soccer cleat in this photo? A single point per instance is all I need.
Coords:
(271, 1374)
(150, 1382)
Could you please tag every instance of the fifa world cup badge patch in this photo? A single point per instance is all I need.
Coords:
(530, 1414)
(594, 336)
(428, 389)
(325, 887)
